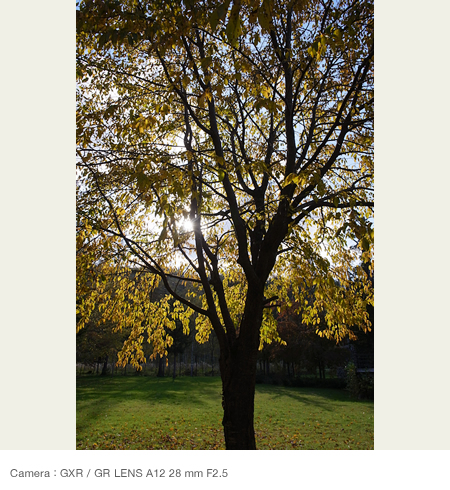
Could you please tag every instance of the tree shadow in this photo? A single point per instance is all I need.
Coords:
(311, 396)
(95, 392)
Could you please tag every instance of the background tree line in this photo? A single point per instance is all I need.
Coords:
(302, 356)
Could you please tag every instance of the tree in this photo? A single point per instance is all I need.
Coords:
(304, 347)
(228, 145)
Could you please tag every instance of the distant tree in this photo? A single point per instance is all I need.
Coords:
(303, 347)
(179, 345)
(228, 145)
(98, 343)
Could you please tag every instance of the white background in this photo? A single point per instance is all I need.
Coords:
(37, 241)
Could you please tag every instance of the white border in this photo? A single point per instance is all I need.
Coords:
(37, 293)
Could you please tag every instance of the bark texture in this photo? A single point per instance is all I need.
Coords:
(238, 382)
(238, 372)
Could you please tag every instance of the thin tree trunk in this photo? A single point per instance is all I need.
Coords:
(192, 359)
(160, 367)
(105, 366)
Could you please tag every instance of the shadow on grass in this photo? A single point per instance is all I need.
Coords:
(310, 396)
(98, 395)
(154, 392)
(146, 389)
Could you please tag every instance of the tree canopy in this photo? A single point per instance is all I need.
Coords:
(228, 145)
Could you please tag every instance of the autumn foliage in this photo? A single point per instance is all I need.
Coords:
(229, 146)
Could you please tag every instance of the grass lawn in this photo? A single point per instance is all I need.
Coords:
(136, 412)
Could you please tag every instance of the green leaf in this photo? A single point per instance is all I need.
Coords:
(321, 188)
(163, 234)
(104, 38)
(142, 181)
(223, 9)
(234, 27)
(365, 244)
(221, 174)
(290, 179)
(175, 237)
(214, 19)
(265, 14)
(206, 62)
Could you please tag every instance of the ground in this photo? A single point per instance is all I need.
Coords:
(134, 412)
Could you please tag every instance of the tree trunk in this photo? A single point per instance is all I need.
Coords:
(160, 367)
(105, 367)
(192, 359)
(238, 371)
(238, 393)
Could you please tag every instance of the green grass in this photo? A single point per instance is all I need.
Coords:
(152, 413)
